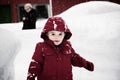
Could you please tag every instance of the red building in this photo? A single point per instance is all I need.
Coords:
(10, 10)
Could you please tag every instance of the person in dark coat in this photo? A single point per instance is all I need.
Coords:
(53, 58)
(29, 17)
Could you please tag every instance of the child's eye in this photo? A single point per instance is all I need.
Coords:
(60, 34)
(52, 34)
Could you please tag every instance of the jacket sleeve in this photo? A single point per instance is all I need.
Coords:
(36, 63)
(33, 16)
(79, 61)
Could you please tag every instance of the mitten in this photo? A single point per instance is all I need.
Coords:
(31, 76)
(34, 68)
(33, 71)
(90, 66)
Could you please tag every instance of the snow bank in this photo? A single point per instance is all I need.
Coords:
(9, 47)
(91, 8)
(96, 28)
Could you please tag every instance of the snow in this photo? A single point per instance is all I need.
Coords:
(96, 28)
(9, 47)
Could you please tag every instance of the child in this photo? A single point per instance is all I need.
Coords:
(53, 58)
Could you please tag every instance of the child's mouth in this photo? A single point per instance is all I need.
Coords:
(56, 40)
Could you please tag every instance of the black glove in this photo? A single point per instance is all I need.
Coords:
(90, 66)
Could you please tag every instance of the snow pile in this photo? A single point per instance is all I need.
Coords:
(9, 47)
(91, 8)
(96, 28)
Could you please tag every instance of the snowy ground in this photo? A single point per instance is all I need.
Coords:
(96, 37)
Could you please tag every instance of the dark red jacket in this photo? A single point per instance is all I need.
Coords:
(55, 62)
(51, 62)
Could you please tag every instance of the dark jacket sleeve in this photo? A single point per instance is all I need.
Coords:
(33, 15)
(79, 61)
(36, 63)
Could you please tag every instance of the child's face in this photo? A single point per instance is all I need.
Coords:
(56, 36)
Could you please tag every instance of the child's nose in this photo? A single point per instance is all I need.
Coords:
(57, 36)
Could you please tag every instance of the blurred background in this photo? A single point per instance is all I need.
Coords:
(11, 10)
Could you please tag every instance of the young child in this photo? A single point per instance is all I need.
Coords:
(53, 58)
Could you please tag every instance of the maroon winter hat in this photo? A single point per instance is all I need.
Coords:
(58, 24)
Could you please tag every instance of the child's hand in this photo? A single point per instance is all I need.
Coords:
(30, 77)
(23, 18)
(90, 66)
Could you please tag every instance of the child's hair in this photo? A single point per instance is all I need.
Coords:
(58, 24)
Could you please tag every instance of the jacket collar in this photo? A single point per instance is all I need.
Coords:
(51, 43)
(64, 47)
